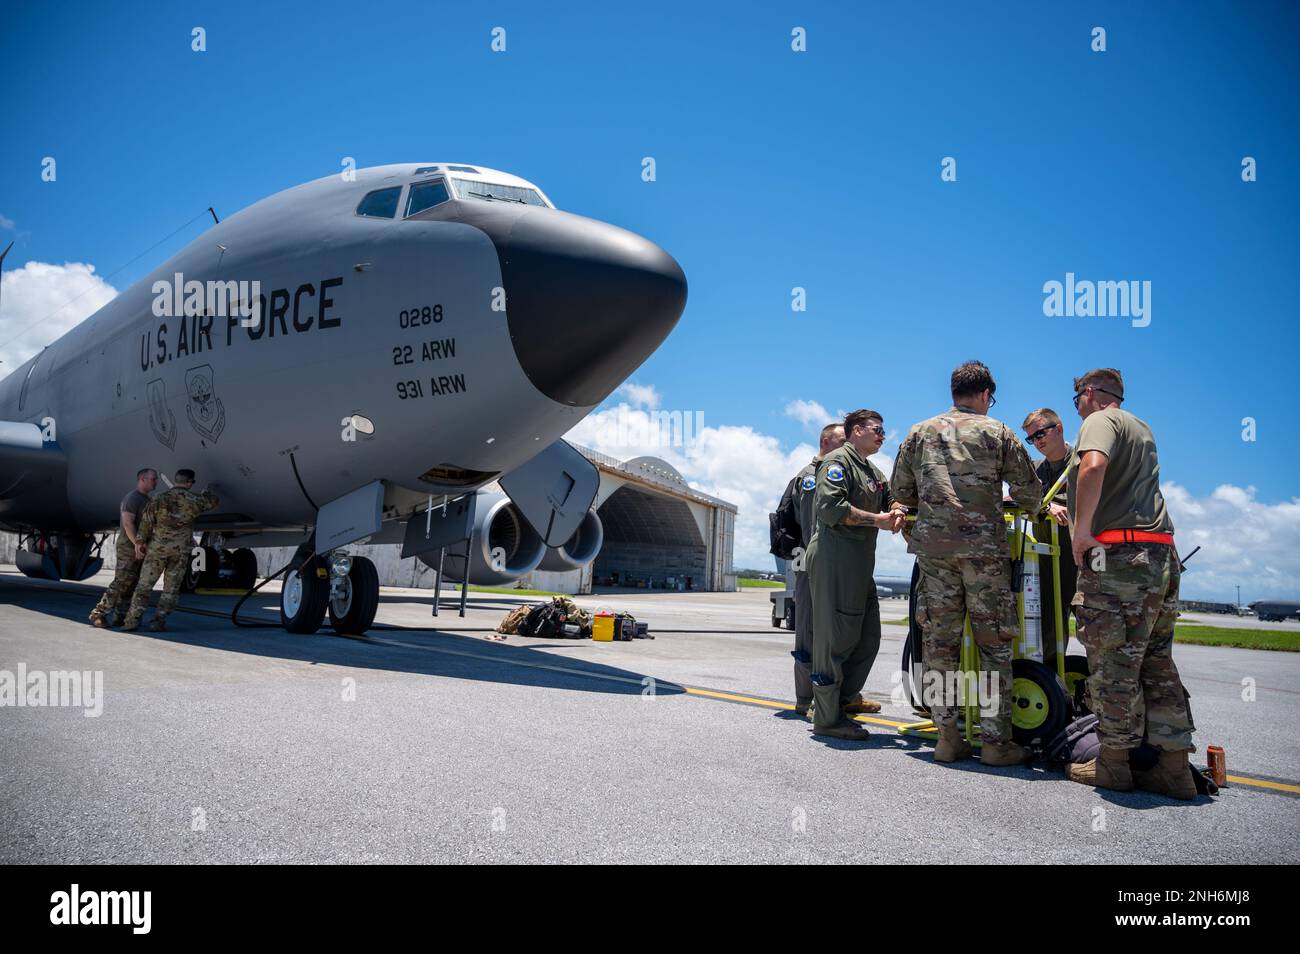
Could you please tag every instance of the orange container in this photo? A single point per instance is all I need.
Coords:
(1218, 764)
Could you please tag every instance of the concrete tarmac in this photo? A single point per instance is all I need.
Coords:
(426, 742)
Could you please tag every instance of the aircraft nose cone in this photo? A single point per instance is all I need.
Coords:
(587, 302)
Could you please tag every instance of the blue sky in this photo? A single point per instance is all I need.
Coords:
(775, 169)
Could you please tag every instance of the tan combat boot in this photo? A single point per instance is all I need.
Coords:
(1109, 770)
(845, 729)
(861, 704)
(952, 746)
(1172, 776)
(1003, 753)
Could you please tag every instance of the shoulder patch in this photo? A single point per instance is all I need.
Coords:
(834, 473)
(809, 483)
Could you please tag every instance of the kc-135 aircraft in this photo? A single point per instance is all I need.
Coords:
(340, 361)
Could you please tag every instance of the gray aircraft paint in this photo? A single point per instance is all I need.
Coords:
(285, 389)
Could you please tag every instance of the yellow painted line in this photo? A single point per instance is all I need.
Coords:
(734, 697)
(774, 704)
(876, 720)
(1264, 783)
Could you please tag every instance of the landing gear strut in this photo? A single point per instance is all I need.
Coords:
(346, 587)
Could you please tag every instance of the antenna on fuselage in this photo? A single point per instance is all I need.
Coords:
(215, 220)
(2, 256)
(2, 267)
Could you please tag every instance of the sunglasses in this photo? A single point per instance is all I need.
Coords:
(1042, 432)
(1080, 395)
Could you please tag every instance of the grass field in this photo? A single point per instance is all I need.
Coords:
(510, 591)
(1280, 640)
(761, 584)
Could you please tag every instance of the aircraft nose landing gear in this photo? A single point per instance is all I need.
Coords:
(303, 596)
(354, 594)
(347, 587)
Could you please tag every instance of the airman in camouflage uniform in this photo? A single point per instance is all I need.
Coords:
(166, 539)
(803, 490)
(1127, 599)
(126, 572)
(853, 503)
(951, 468)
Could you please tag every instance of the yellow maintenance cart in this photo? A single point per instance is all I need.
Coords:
(1046, 684)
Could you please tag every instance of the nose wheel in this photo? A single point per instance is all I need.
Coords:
(354, 598)
(304, 595)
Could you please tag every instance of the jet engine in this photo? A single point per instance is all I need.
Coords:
(502, 548)
(580, 549)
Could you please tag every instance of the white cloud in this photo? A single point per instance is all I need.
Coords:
(737, 464)
(40, 301)
(810, 414)
(6, 223)
(1244, 541)
(640, 395)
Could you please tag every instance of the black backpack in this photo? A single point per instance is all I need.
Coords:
(544, 619)
(783, 526)
(1079, 742)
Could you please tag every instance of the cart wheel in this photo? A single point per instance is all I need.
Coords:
(1076, 681)
(913, 648)
(1040, 707)
(911, 684)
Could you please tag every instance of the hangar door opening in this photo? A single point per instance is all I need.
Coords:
(651, 541)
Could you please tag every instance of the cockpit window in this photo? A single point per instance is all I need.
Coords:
(425, 195)
(381, 204)
(492, 192)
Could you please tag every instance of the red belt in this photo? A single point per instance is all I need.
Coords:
(1134, 536)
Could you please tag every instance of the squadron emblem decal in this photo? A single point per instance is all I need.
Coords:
(809, 483)
(161, 419)
(206, 412)
(835, 473)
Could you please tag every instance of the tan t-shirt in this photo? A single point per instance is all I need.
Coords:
(1130, 492)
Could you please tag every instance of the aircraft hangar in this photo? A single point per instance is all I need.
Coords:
(660, 533)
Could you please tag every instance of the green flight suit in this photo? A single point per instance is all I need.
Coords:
(803, 490)
(841, 563)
